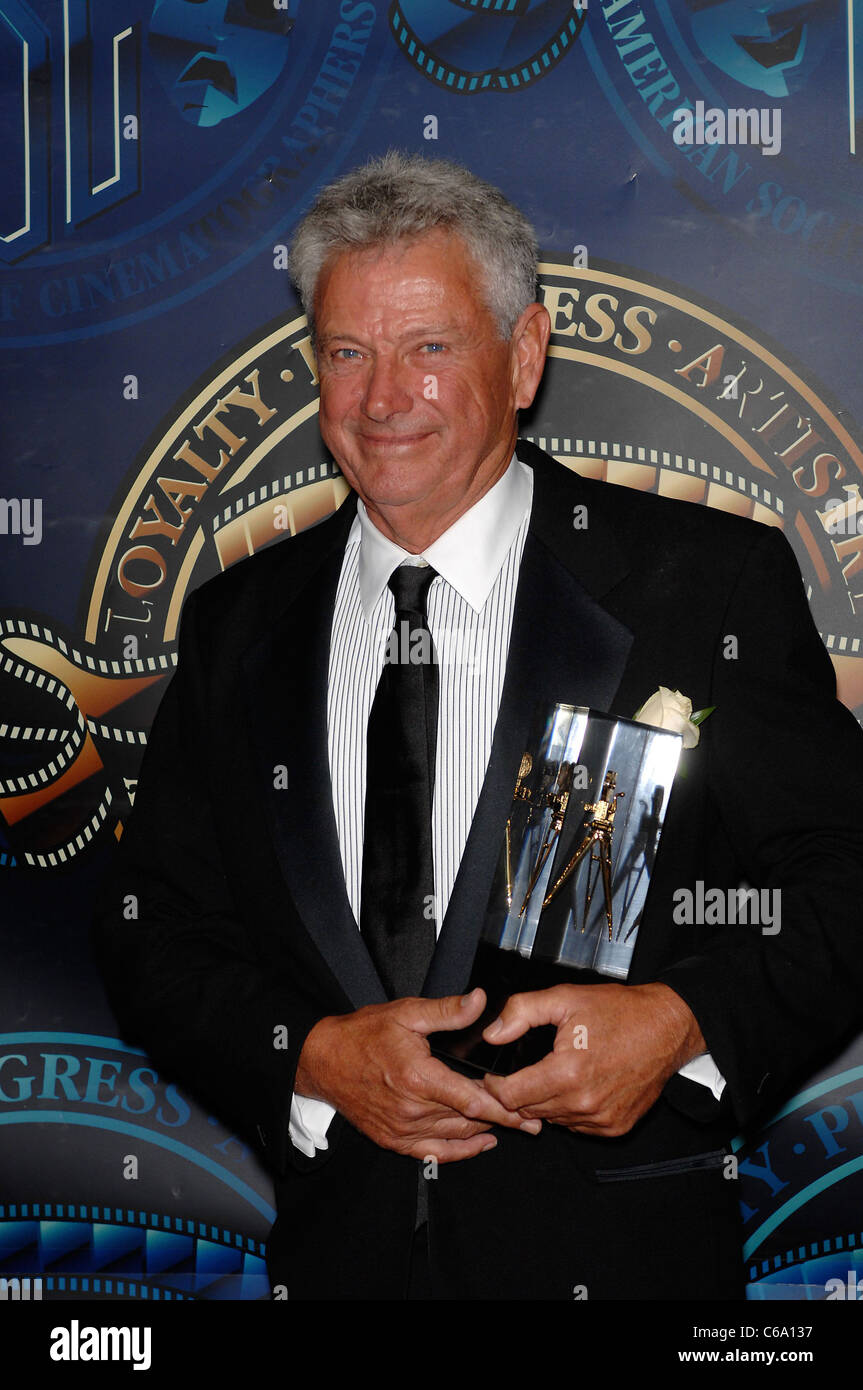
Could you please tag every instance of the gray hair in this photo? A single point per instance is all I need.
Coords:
(399, 197)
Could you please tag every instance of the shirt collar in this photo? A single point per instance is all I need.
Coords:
(468, 556)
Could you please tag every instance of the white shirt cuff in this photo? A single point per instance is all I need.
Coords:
(309, 1122)
(704, 1070)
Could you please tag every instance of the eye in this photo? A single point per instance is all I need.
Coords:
(433, 347)
(341, 354)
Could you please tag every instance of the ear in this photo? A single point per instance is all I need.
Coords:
(530, 344)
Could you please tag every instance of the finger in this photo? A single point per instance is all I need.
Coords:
(452, 1012)
(453, 1126)
(534, 1090)
(469, 1098)
(523, 1011)
(452, 1150)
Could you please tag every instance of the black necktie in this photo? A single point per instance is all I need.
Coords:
(397, 912)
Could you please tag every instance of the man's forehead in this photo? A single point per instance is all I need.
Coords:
(437, 252)
(439, 239)
(430, 281)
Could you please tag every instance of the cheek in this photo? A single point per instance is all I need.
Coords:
(337, 399)
(469, 409)
(456, 398)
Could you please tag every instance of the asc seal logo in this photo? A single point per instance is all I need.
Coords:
(151, 147)
(643, 388)
(756, 77)
(472, 46)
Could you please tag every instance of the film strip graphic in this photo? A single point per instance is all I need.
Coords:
(75, 1286)
(809, 1266)
(39, 680)
(123, 1253)
(654, 470)
(835, 641)
(247, 524)
(21, 669)
(505, 56)
(45, 663)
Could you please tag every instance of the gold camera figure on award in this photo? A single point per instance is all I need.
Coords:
(597, 838)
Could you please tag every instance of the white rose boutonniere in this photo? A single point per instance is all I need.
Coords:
(670, 709)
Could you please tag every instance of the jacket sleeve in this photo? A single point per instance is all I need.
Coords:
(785, 777)
(180, 970)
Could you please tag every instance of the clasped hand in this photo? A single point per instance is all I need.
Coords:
(376, 1068)
(614, 1049)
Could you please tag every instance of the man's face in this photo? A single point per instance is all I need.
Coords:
(419, 393)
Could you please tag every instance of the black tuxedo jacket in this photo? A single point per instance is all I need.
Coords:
(244, 925)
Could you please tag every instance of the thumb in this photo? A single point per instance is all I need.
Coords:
(452, 1012)
(524, 1011)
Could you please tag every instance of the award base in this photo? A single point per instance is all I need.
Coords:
(500, 974)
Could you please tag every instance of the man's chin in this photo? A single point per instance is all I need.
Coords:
(397, 469)
(394, 483)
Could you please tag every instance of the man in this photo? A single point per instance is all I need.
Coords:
(346, 907)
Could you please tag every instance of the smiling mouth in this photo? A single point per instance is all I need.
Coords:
(394, 438)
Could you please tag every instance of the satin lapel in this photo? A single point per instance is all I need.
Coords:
(286, 674)
(564, 647)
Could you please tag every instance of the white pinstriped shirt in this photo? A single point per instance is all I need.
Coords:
(470, 611)
(470, 608)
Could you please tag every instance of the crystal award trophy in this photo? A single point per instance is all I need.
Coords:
(574, 869)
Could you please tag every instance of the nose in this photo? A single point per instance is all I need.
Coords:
(387, 392)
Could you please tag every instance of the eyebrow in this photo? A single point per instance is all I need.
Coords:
(429, 331)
